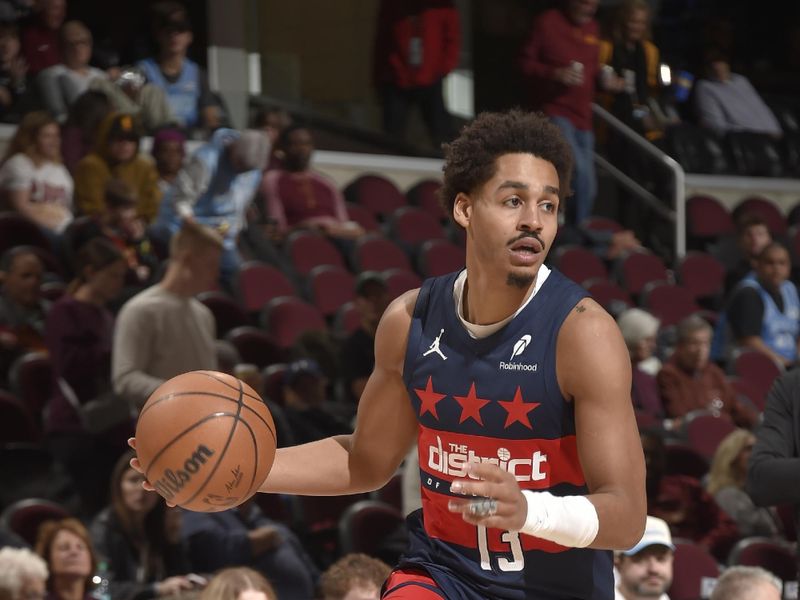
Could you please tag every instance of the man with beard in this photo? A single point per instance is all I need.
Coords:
(645, 571)
(296, 196)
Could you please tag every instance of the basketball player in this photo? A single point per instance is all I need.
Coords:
(514, 384)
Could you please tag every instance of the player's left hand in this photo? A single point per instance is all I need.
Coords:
(498, 490)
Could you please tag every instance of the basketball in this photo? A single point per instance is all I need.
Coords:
(205, 440)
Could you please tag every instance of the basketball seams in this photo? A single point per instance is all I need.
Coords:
(210, 374)
(166, 397)
(224, 450)
(176, 438)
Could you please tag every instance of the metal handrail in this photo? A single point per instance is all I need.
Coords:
(679, 176)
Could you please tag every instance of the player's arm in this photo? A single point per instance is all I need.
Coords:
(594, 370)
(385, 426)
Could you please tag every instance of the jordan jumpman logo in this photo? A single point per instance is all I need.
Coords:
(434, 347)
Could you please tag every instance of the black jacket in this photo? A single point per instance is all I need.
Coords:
(114, 546)
(774, 471)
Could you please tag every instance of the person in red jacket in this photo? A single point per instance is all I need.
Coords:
(417, 44)
(560, 62)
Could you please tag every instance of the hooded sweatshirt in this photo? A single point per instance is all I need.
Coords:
(96, 169)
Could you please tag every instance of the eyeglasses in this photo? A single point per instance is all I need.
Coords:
(76, 43)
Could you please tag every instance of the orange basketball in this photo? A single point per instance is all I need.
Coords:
(205, 440)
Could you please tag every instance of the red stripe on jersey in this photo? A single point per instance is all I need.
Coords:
(442, 524)
(537, 464)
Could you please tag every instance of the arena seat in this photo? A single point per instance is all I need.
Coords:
(375, 193)
(16, 421)
(410, 227)
(288, 317)
(365, 525)
(425, 195)
(636, 269)
(227, 312)
(670, 303)
(377, 253)
(255, 346)
(703, 275)
(777, 557)
(330, 287)
(695, 572)
(26, 516)
(439, 257)
(766, 209)
(257, 283)
(308, 249)
(579, 264)
(754, 154)
(707, 218)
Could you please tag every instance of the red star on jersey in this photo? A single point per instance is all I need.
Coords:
(471, 405)
(429, 399)
(518, 410)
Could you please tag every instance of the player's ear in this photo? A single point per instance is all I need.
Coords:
(462, 209)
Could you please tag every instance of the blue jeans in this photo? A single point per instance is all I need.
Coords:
(584, 182)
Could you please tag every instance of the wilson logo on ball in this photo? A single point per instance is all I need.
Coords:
(174, 481)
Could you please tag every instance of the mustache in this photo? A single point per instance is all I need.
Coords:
(528, 234)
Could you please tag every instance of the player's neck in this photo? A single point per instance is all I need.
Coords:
(487, 301)
(179, 280)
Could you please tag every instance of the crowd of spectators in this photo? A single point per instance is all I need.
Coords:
(138, 239)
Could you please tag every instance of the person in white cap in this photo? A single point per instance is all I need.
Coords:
(645, 571)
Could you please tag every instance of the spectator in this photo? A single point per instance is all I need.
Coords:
(79, 132)
(306, 404)
(40, 39)
(13, 11)
(182, 80)
(22, 310)
(23, 574)
(560, 61)
(776, 455)
(726, 481)
(63, 83)
(120, 223)
(140, 538)
(727, 101)
(238, 583)
(645, 571)
(629, 64)
(682, 502)
(32, 178)
(116, 155)
(78, 334)
(67, 548)
(130, 93)
(298, 196)
(244, 536)
(273, 120)
(764, 310)
(689, 381)
(164, 330)
(359, 349)
(169, 152)
(216, 188)
(417, 45)
(752, 236)
(354, 577)
(747, 583)
(639, 329)
(13, 72)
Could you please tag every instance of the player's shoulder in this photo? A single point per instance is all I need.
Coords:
(587, 322)
(401, 310)
(391, 339)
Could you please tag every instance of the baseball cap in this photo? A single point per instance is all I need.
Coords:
(124, 127)
(304, 366)
(656, 533)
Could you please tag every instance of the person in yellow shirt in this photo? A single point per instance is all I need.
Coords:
(116, 156)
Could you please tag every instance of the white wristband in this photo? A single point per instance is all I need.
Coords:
(567, 520)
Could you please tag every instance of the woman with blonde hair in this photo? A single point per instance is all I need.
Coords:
(238, 583)
(726, 481)
(33, 181)
(66, 548)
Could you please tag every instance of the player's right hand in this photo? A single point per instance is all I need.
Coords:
(136, 466)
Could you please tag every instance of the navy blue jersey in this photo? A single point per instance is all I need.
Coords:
(495, 399)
